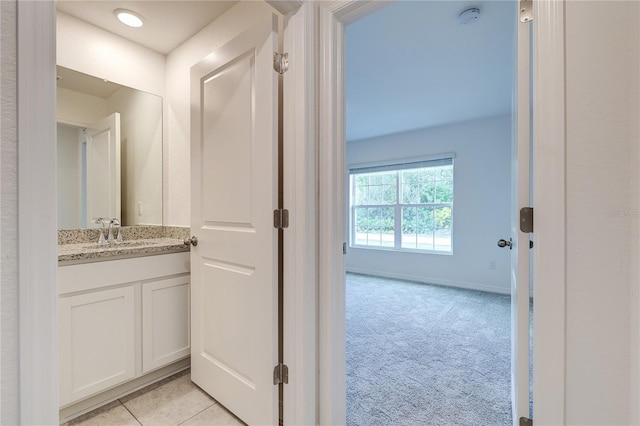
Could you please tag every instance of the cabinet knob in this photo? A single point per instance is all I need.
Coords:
(193, 241)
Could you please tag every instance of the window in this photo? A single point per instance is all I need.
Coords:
(403, 207)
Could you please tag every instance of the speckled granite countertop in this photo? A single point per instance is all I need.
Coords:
(80, 246)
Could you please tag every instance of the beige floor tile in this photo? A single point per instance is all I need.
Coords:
(169, 404)
(214, 416)
(114, 414)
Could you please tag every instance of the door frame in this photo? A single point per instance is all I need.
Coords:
(549, 199)
(29, 289)
(30, 340)
(548, 172)
(300, 272)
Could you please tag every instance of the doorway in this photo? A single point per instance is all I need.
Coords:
(379, 141)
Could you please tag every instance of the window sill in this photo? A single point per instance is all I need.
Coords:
(404, 250)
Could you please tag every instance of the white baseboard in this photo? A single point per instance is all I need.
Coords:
(430, 280)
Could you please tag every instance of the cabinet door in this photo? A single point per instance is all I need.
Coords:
(165, 322)
(96, 342)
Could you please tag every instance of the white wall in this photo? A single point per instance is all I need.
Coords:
(91, 50)
(602, 77)
(9, 362)
(177, 106)
(634, 294)
(141, 153)
(480, 208)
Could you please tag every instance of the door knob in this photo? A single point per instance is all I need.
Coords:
(193, 241)
(505, 243)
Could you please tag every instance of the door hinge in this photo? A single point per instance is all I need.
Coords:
(281, 218)
(525, 421)
(344, 248)
(526, 11)
(280, 374)
(526, 219)
(280, 62)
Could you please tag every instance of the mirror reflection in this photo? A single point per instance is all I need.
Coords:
(109, 152)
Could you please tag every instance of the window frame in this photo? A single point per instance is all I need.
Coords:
(397, 166)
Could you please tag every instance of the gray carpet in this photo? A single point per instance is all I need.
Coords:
(421, 354)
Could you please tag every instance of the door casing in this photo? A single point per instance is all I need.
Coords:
(548, 172)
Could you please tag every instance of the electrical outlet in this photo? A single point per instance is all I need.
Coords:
(492, 264)
(139, 208)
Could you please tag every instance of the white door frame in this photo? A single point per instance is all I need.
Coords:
(549, 199)
(299, 197)
(36, 336)
(548, 173)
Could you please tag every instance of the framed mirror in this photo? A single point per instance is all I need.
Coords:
(109, 152)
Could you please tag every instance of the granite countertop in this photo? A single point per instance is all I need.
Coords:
(82, 246)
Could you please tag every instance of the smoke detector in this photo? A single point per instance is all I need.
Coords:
(469, 16)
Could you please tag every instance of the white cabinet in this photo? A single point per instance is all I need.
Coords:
(97, 332)
(120, 320)
(165, 322)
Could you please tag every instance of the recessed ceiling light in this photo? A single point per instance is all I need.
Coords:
(128, 17)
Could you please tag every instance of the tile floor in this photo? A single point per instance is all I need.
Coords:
(171, 402)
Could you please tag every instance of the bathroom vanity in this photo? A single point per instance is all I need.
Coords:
(123, 315)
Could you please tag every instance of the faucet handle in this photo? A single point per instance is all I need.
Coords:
(116, 223)
(110, 238)
(119, 237)
(100, 221)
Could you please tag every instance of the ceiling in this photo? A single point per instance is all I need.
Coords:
(408, 66)
(167, 24)
(411, 65)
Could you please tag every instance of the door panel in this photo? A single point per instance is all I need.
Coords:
(234, 192)
(227, 105)
(520, 181)
(228, 346)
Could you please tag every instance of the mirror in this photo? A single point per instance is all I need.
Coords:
(109, 152)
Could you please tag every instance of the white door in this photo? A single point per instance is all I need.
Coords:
(521, 143)
(103, 170)
(234, 95)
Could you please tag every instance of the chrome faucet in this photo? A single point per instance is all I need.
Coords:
(110, 239)
(112, 223)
